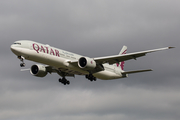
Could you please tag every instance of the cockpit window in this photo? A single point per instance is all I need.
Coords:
(16, 43)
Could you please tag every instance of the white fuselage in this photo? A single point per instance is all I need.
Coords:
(59, 59)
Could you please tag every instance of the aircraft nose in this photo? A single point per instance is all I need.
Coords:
(15, 50)
(12, 48)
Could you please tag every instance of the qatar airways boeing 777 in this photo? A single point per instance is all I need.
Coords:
(70, 64)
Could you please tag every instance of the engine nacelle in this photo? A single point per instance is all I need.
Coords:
(38, 70)
(86, 63)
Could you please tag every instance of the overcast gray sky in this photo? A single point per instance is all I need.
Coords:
(94, 28)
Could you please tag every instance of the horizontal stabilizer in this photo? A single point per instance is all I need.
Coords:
(137, 71)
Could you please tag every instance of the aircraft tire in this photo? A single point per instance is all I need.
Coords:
(22, 64)
(67, 82)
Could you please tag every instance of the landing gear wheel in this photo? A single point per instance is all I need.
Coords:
(90, 77)
(67, 82)
(22, 64)
(64, 81)
(22, 60)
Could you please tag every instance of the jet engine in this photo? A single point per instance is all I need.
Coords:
(86, 63)
(38, 70)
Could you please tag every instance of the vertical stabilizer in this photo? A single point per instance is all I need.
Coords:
(123, 51)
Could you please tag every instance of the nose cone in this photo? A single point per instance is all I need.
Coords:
(15, 49)
(12, 48)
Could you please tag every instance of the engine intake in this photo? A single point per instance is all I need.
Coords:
(38, 70)
(86, 63)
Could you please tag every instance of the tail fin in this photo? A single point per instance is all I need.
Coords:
(123, 51)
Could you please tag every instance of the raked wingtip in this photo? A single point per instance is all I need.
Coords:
(171, 47)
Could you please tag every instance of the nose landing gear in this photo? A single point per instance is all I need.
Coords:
(22, 60)
(22, 64)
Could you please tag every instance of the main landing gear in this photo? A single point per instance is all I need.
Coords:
(64, 81)
(22, 60)
(90, 77)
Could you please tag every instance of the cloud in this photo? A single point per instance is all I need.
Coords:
(119, 102)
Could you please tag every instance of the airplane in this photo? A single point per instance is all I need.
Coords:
(68, 64)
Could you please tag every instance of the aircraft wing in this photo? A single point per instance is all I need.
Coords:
(125, 57)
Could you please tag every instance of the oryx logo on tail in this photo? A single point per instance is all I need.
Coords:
(123, 51)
